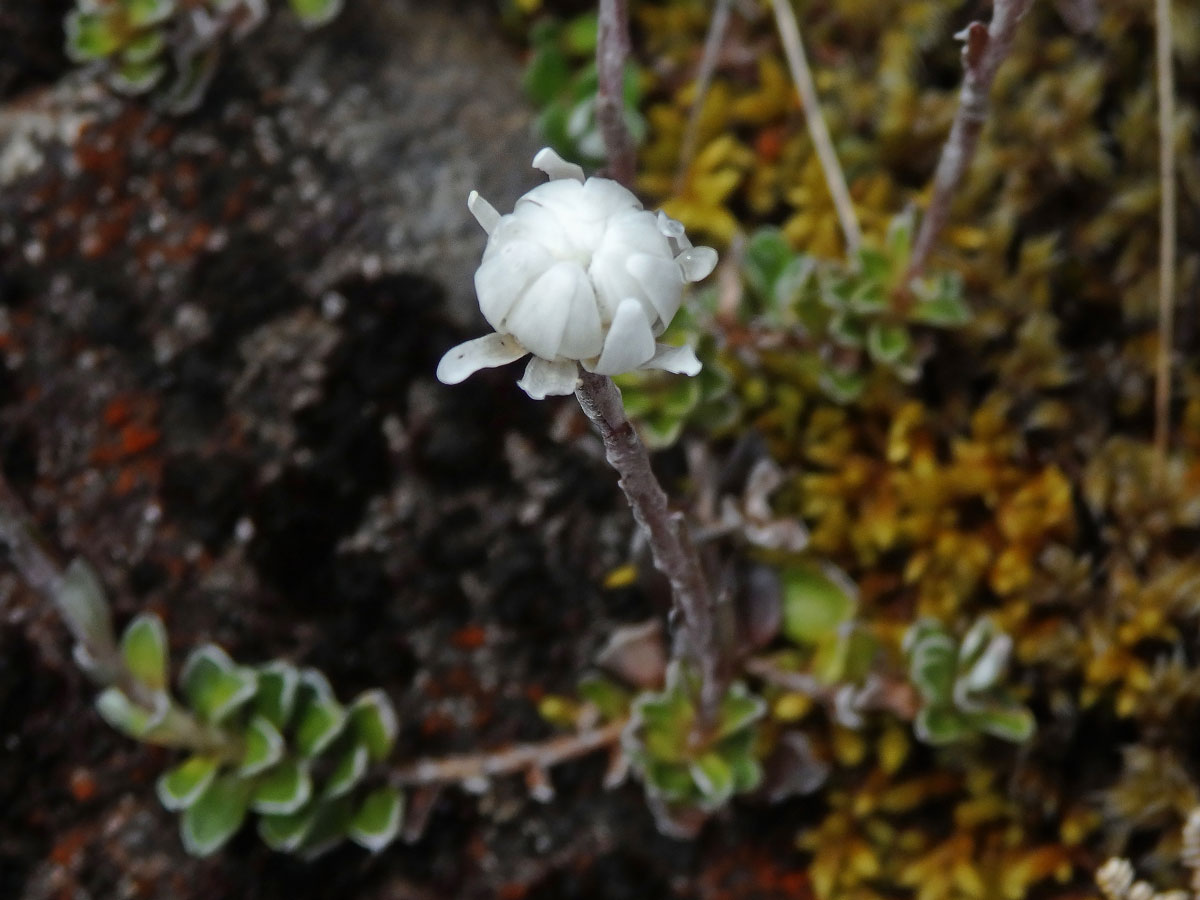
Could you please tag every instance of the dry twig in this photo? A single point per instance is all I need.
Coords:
(789, 33)
(477, 768)
(985, 47)
(717, 27)
(612, 50)
(674, 554)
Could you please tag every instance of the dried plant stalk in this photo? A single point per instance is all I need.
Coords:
(793, 47)
(674, 554)
(612, 50)
(985, 47)
(717, 27)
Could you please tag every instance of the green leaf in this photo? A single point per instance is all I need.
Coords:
(319, 723)
(210, 822)
(793, 279)
(887, 343)
(847, 330)
(899, 241)
(874, 267)
(314, 13)
(285, 833)
(84, 606)
(378, 819)
(144, 48)
(144, 649)
(845, 657)
(126, 716)
(373, 723)
(282, 790)
(90, 37)
(747, 773)
(1012, 723)
(842, 387)
(329, 827)
(940, 725)
(278, 686)
(714, 777)
(144, 13)
(264, 747)
(932, 668)
(817, 601)
(180, 787)
(347, 773)
(767, 254)
(607, 696)
(739, 710)
(580, 35)
(669, 780)
(546, 75)
(942, 305)
(214, 687)
(133, 78)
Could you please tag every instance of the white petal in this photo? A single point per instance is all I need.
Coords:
(539, 317)
(584, 334)
(555, 166)
(482, 353)
(608, 196)
(661, 282)
(680, 360)
(549, 379)
(630, 341)
(674, 232)
(504, 277)
(485, 214)
(697, 264)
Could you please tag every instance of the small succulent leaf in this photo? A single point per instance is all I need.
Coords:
(975, 641)
(767, 254)
(214, 686)
(848, 330)
(941, 305)
(314, 684)
(318, 725)
(887, 343)
(1009, 723)
(275, 700)
(898, 242)
(988, 666)
(842, 387)
(314, 13)
(264, 747)
(579, 36)
(347, 773)
(133, 78)
(214, 818)
(285, 833)
(144, 13)
(739, 710)
(817, 602)
(874, 266)
(940, 725)
(373, 723)
(180, 787)
(609, 698)
(283, 790)
(933, 668)
(546, 75)
(83, 604)
(919, 631)
(747, 773)
(793, 279)
(144, 650)
(90, 37)
(144, 48)
(128, 717)
(330, 825)
(378, 819)
(714, 777)
(671, 781)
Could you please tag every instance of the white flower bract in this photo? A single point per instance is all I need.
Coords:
(578, 273)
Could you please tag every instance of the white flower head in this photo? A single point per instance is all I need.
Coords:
(578, 272)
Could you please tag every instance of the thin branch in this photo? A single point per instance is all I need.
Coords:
(717, 27)
(793, 47)
(521, 758)
(612, 50)
(1166, 251)
(984, 48)
(673, 552)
